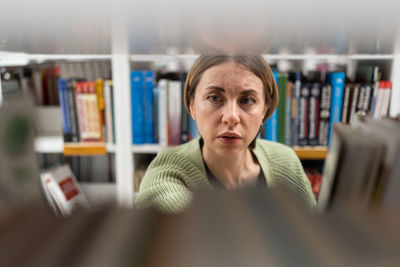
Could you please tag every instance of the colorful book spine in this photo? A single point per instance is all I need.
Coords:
(149, 107)
(324, 114)
(386, 98)
(336, 79)
(296, 107)
(288, 114)
(304, 114)
(193, 133)
(80, 110)
(137, 107)
(101, 107)
(271, 126)
(66, 119)
(92, 113)
(314, 104)
(282, 84)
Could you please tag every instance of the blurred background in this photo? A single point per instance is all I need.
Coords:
(339, 60)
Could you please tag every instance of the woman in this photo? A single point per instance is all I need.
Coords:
(230, 98)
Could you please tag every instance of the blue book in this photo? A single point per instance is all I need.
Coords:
(137, 89)
(149, 107)
(62, 85)
(336, 80)
(271, 126)
(193, 133)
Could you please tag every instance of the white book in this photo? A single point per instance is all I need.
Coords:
(174, 112)
(385, 102)
(108, 110)
(163, 112)
(63, 190)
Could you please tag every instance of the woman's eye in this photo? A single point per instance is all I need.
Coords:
(214, 98)
(247, 100)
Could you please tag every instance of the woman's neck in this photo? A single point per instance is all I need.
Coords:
(232, 170)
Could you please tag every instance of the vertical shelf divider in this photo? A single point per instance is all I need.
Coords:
(124, 165)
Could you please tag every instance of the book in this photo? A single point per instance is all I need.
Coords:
(336, 80)
(351, 168)
(314, 106)
(148, 107)
(185, 114)
(295, 78)
(386, 99)
(137, 109)
(99, 85)
(324, 114)
(163, 112)
(63, 190)
(282, 86)
(109, 114)
(353, 98)
(72, 110)
(62, 85)
(388, 133)
(174, 112)
(271, 125)
(289, 114)
(345, 106)
(304, 114)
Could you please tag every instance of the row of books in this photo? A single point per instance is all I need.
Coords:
(363, 165)
(307, 110)
(158, 112)
(87, 110)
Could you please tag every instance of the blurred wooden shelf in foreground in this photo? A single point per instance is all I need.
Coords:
(311, 153)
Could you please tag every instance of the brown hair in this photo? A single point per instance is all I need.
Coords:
(256, 64)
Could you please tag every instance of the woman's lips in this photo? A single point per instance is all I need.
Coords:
(229, 140)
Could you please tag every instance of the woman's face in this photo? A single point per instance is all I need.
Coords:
(228, 107)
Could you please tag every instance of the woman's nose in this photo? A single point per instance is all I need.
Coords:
(230, 114)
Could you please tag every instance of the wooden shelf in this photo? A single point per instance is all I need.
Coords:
(311, 153)
(87, 149)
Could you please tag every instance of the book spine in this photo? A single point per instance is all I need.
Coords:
(282, 83)
(137, 107)
(80, 109)
(345, 109)
(288, 114)
(337, 82)
(379, 100)
(108, 112)
(361, 98)
(112, 111)
(304, 114)
(324, 115)
(296, 96)
(314, 103)
(367, 99)
(162, 112)
(155, 112)
(66, 120)
(185, 115)
(193, 133)
(149, 107)
(271, 125)
(93, 114)
(73, 110)
(386, 99)
(101, 107)
(354, 98)
(174, 112)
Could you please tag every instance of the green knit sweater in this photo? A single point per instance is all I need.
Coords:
(176, 172)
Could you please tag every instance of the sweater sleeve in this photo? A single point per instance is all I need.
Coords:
(163, 185)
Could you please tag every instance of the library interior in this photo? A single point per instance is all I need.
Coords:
(102, 159)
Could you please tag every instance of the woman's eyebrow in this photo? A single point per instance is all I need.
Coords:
(249, 91)
(212, 87)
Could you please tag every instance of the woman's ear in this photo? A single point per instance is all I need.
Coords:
(192, 110)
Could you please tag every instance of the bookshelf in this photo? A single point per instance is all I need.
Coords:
(125, 44)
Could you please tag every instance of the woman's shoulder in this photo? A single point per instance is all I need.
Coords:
(276, 150)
